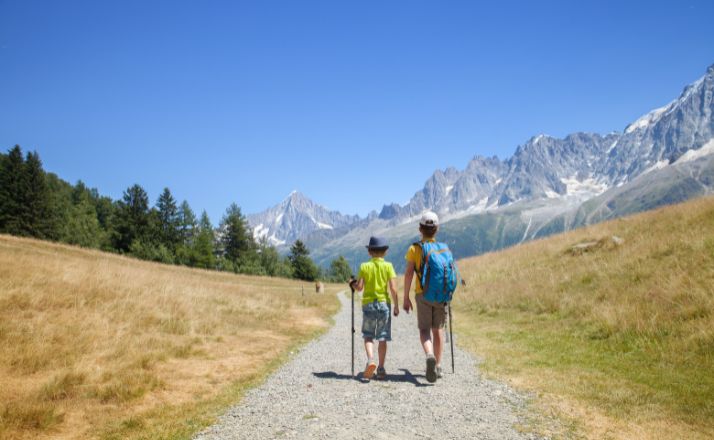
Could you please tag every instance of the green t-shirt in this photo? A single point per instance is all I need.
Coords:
(376, 274)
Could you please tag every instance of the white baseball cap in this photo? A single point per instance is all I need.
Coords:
(429, 219)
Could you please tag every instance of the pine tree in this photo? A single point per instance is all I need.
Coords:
(303, 266)
(132, 218)
(237, 241)
(203, 254)
(168, 220)
(187, 228)
(39, 221)
(13, 184)
(187, 224)
(340, 269)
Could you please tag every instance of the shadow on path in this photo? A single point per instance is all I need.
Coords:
(407, 377)
(333, 375)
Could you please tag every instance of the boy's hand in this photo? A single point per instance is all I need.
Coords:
(407, 304)
(396, 310)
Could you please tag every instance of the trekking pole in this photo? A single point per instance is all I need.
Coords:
(451, 338)
(353, 326)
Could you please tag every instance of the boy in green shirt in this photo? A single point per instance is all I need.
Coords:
(375, 276)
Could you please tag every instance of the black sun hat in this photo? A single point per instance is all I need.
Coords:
(377, 243)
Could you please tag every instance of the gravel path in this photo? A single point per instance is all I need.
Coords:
(314, 395)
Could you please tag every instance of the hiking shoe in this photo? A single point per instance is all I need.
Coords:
(431, 368)
(439, 372)
(369, 370)
(381, 373)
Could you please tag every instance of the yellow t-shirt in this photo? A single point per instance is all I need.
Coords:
(414, 256)
(376, 274)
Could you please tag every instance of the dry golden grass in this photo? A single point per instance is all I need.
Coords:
(98, 345)
(619, 339)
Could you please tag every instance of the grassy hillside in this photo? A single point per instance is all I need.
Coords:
(97, 345)
(615, 335)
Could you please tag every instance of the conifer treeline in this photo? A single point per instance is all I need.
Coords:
(37, 204)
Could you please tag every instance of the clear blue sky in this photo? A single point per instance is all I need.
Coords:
(353, 103)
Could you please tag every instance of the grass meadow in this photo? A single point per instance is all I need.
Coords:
(617, 339)
(95, 345)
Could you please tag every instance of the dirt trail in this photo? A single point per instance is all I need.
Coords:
(314, 395)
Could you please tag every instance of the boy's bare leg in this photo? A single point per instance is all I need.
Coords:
(425, 337)
(438, 346)
(369, 348)
(382, 349)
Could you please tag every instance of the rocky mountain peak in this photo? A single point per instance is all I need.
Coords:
(663, 135)
(390, 211)
(297, 198)
(296, 217)
(481, 162)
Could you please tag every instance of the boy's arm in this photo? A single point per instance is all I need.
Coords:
(359, 284)
(395, 295)
(408, 275)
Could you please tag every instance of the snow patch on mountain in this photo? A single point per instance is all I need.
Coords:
(586, 188)
(657, 166)
(525, 233)
(260, 231)
(691, 155)
(657, 114)
(480, 206)
(648, 119)
(275, 241)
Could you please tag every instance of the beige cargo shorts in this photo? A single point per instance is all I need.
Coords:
(430, 314)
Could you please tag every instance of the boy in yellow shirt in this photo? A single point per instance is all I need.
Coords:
(375, 276)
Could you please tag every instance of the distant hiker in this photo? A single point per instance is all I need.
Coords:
(375, 277)
(431, 261)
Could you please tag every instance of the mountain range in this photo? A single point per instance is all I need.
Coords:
(549, 185)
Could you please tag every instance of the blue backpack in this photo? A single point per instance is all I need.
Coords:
(438, 273)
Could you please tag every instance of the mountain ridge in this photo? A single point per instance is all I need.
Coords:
(547, 179)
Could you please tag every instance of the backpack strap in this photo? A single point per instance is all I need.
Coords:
(423, 273)
(420, 270)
